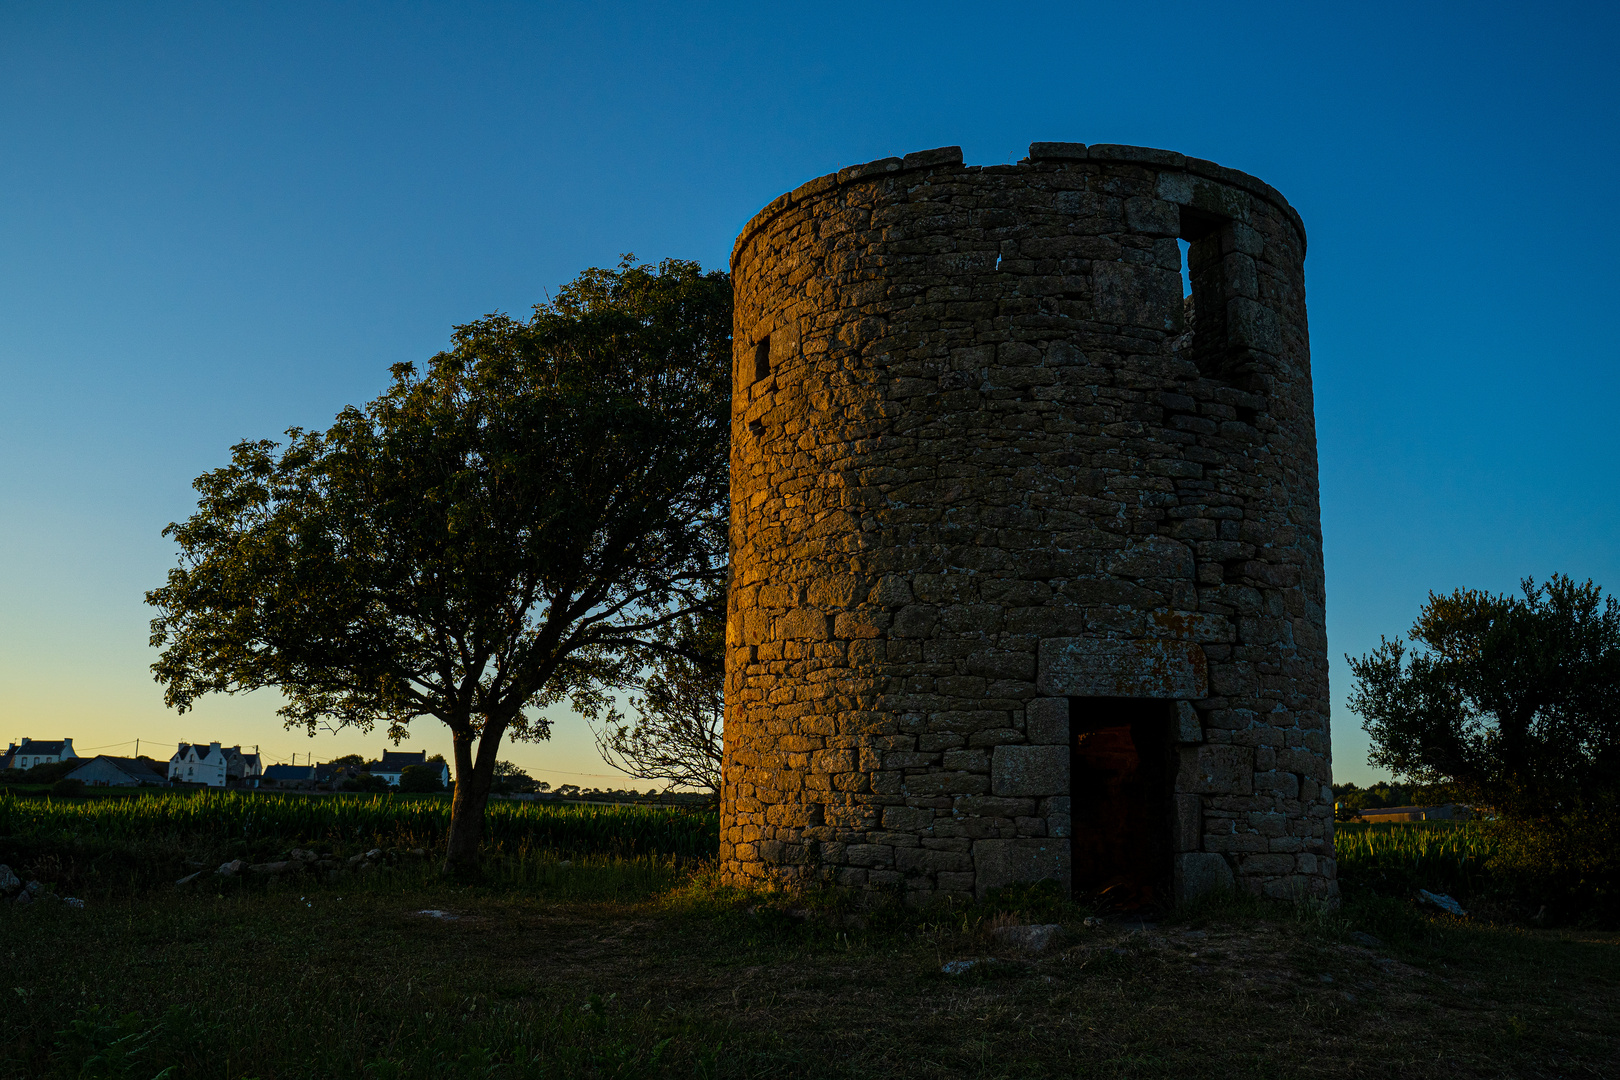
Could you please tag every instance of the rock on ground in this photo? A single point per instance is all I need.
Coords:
(1033, 939)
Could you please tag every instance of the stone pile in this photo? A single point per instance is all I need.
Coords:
(12, 888)
(304, 861)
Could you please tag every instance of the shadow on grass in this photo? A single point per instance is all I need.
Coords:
(603, 966)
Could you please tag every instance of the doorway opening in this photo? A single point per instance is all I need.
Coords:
(1120, 798)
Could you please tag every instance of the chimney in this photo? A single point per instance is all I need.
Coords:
(67, 748)
(25, 742)
(213, 748)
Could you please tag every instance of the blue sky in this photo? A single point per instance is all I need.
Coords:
(217, 221)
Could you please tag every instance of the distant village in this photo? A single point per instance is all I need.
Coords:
(218, 766)
(214, 765)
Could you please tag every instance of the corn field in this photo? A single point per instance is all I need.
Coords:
(1436, 855)
(381, 819)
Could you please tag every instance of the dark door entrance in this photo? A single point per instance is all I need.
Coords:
(1120, 798)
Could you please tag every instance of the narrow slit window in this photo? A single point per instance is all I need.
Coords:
(762, 359)
(1205, 240)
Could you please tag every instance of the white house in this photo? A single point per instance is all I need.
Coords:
(393, 764)
(214, 765)
(104, 771)
(28, 753)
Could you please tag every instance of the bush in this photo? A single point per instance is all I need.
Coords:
(366, 782)
(51, 771)
(420, 778)
(68, 789)
(1559, 870)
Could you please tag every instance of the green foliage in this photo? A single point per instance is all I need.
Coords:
(513, 526)
(1514, 700)
(477, 540)
(510, 778)
(1563, 871)
(1383, 794)
(420, 779)
(47, 773)
(1529, 871)
(97, 1044)
(365, 782)
(1397, 858)
(68, 789)
(387, 819)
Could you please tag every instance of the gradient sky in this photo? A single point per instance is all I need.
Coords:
(217, 221)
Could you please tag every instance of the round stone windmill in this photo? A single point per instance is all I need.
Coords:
(1026, 551)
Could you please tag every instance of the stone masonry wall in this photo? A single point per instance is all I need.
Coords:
(987, 464)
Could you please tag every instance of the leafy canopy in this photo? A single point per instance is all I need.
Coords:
(513, 525)
(1516, 700)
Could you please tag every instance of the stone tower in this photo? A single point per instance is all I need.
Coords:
(1026, 552)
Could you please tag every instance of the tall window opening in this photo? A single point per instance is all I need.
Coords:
(1120, 798)
(1204, 241)
(762, 359)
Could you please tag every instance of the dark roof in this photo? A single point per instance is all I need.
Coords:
(141, 769)
(290, 772)
(134, 768)
(398, 759)
(34, 746)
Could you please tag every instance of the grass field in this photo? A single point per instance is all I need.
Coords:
(630, 967)
(585, 952)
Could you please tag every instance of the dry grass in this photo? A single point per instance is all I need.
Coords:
(630, 969)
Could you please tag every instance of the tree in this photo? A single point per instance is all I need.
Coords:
(1515, 700)
(514, 527)
(677, 736)
(49, 772)
(510, 778)
(420, 778)
(367, 782)
(348, 761)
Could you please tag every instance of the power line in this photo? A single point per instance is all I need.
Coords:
(106, 746)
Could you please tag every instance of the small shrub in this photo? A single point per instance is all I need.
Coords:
(1560, 870)
(66, 788)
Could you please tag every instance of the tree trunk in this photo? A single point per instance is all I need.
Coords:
(474, 778)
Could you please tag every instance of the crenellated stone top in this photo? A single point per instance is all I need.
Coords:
(1040, 153)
